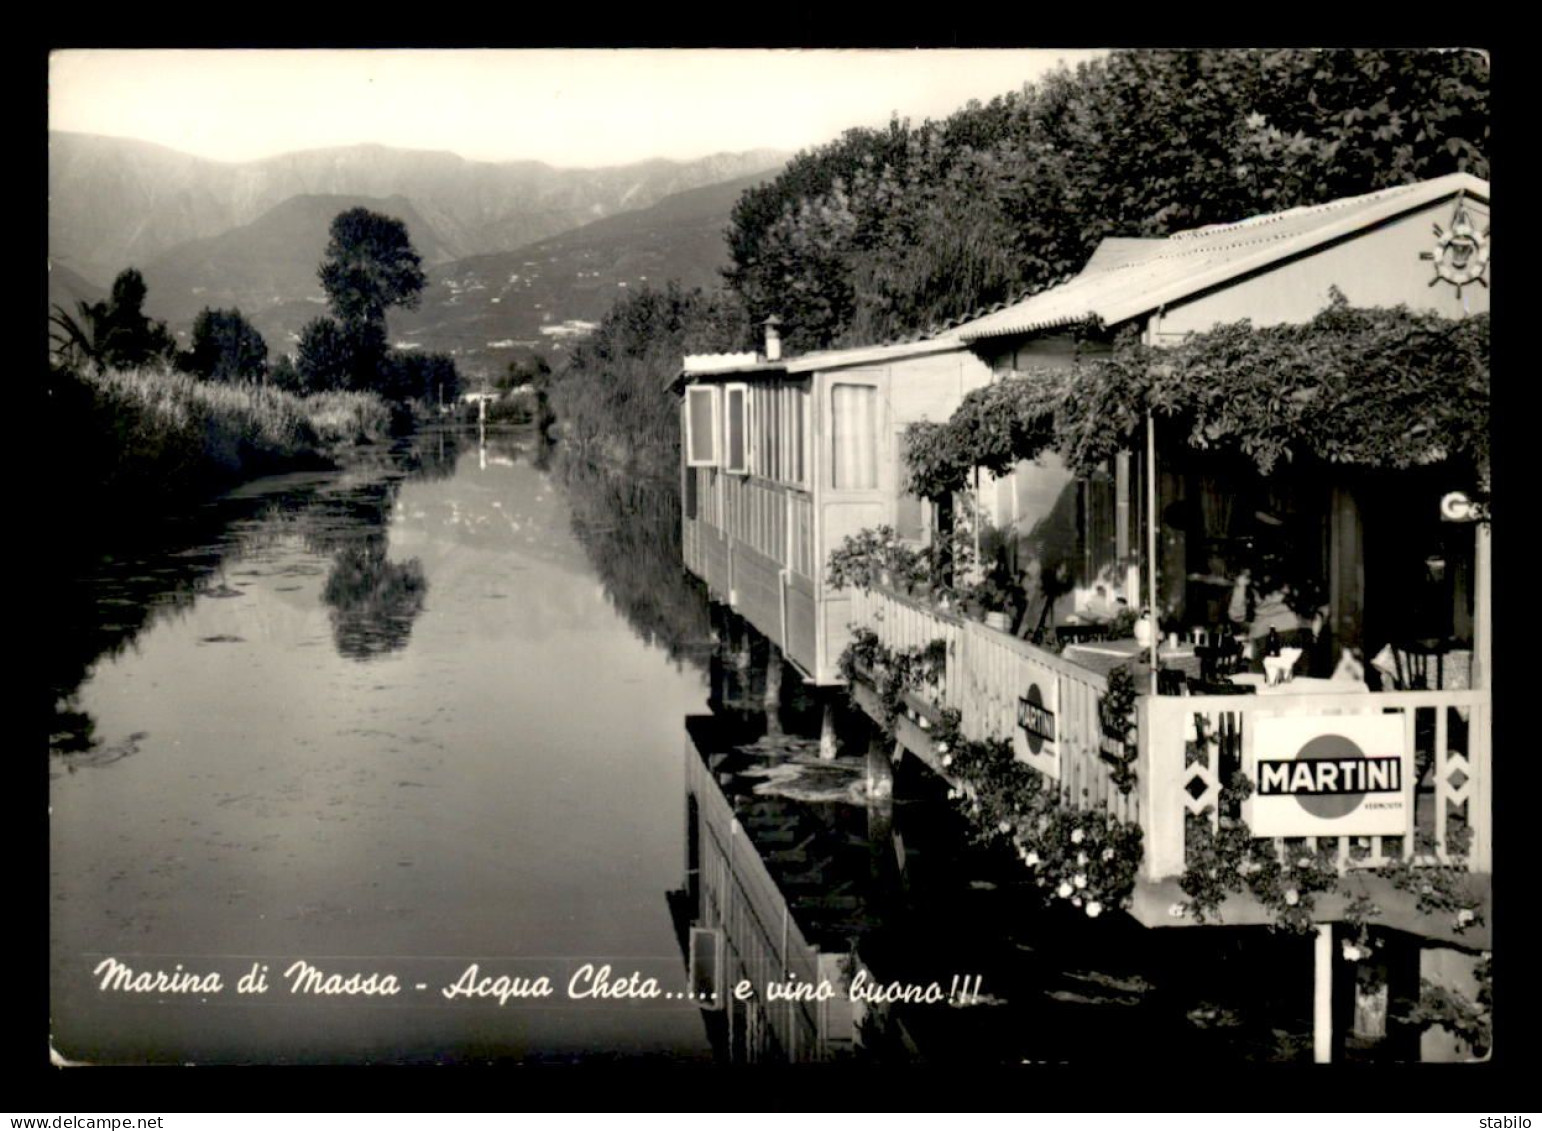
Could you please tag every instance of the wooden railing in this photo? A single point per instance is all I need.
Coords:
(1190, 745)
(987, 674)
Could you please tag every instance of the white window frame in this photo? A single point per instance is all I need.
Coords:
(714, 397)
(746, 420)
(806, 442)
(879, 439)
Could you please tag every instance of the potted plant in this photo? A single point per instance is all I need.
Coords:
(997, 596)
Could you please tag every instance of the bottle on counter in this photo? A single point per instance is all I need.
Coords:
(1144, 629)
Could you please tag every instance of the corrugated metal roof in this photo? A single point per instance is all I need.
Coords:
(721, 365)
(1129, 277)
(713, 362)
(862, 355)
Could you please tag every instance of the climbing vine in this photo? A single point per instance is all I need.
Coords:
(892, 671)
(1086, 858)
(1470, 1021)
(1376, 387)
(1116, 713)
(1228, 859)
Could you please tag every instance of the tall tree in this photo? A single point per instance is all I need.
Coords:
(370, 266)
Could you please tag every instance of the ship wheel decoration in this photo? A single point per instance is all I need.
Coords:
(1461, 252)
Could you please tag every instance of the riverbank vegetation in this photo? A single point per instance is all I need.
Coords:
(610, 398)
(152, 438)
(162, 427)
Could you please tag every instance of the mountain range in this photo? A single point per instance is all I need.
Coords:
(251, 234)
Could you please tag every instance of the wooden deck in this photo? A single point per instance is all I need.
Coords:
(1187, 748)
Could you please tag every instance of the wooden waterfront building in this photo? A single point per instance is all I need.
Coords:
(784, 458)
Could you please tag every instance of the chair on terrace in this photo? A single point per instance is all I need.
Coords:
(1417, 661)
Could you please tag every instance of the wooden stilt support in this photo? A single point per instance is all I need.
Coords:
(773, 696)
(1322, 995)
(880, 772)
(827, 731)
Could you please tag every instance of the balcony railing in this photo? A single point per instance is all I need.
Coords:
(1188, 745)
(986, 677)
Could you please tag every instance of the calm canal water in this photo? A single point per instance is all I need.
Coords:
(397, 719)
(428, 713)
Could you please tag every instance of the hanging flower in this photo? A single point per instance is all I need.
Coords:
(942, 747)
(1292, 896)
(1076, 901)
(1077, 836)
(952, 793)
(1079, 880)
(924, 723)
(1081, 859)
(1465, 916)
(1177, 911)
(1108, 854)
(1005, 826)
(1031, 859)
(1353, 953)
(1094, 909)
(1304, 862)
(1064, 890)
(947, 760)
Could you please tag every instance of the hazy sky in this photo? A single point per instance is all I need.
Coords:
(568, 107)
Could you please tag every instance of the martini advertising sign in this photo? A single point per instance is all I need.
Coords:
(1034, 740)
(1330, 775)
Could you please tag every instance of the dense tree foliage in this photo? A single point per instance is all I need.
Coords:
(339, 355)
(226, 347)
(885, 233)
(112, 334)
(534, 371)
(612, 391)
(428, 377)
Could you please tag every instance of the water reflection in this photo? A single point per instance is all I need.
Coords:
(373, 600)
(864, 865)
(102, 599)
(498, 781)
(629, 525)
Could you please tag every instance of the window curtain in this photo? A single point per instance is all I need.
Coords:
(854, 455)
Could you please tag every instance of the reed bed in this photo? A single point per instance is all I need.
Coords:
(171, 433)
